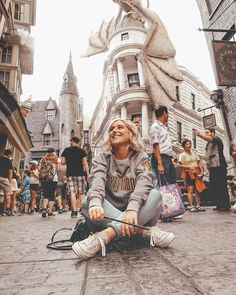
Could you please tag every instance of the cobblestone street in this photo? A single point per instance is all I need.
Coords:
(200, 261)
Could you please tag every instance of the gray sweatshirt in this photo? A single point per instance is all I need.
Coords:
(124, 183)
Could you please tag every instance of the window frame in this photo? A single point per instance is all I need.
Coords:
(179, 131)
(5, 81)
(6, 56)
(194, 139)
(135, 82)
(51, 114)
(193, 101)
(19, 13)
(47, 139)
(177, 93)
(124, 36)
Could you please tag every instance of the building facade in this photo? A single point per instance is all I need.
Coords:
(125, 95)
(43, 125)
(16, 59)
(71, 108)
(51, 125)
(219, 23)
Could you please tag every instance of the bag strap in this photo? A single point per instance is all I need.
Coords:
(161, 180)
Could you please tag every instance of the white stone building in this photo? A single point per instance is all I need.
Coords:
(124, 94)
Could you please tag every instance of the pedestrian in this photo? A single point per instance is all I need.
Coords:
(34, 184)
(217, 167)
(161, 158)
(61, 188)
(6, 172)
(192, 168)
(14, 190)
(48, 178)
(121, 187)
(26, 197)
(76, 162)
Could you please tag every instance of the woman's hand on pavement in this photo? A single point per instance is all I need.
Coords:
(130, 217)
(96, 213)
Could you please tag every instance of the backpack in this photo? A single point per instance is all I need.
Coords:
(47, 171)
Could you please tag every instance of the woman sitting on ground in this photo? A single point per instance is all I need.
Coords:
(121, 187)
(191, 170)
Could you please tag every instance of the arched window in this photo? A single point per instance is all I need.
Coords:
(72, 133)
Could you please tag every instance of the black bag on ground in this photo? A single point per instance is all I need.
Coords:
(80, 232)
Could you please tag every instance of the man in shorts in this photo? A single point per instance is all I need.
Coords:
(6, 172)
(76, 162)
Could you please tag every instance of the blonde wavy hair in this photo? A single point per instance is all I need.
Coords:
(135, 141)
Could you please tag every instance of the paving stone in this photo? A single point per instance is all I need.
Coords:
(200, 261)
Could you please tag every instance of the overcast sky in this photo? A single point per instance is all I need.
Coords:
(61, 28)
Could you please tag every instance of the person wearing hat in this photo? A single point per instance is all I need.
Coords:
(77, 167)
(26, 107)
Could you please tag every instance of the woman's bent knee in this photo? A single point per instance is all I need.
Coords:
(155, 196)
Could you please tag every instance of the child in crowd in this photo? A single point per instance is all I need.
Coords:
(26, 197)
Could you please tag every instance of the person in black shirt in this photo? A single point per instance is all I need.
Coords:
(217, 167)
(6, 172)
(75, 159)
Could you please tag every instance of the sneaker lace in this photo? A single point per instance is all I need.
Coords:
(154, 236)
(96, 242)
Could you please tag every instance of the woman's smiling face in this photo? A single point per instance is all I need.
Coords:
(119, 134)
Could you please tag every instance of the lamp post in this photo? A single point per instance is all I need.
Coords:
(218, 97)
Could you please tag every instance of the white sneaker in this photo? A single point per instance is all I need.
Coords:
(90, 246)
(158, 237)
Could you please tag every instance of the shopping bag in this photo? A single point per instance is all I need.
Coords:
(172, 204)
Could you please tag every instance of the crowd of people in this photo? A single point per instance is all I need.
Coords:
(123, 197)
(61, 179)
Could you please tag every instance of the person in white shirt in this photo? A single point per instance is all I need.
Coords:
(161, 159)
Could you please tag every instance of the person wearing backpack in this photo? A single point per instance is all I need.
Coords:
(48, 177)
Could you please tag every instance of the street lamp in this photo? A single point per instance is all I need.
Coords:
(217, 97)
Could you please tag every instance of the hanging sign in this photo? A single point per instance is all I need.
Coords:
(209, 121)
(225, 58)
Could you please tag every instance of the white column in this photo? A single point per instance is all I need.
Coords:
(140, 73)
(115, 75)
(144, 120)
(123, 111)
(121, 74)
(110, 82)
(153, 116)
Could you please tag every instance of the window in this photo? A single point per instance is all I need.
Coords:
(193, 101)
(19, 12)
(194, 139)
(179, 132)
(133, 80)
(177, 93)
(51, 115)
(86, 137)
(72, 133)
(46, 139)
(62, 129)
(5, 78)
(22, 165)
(6, 54)
(124, 36)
